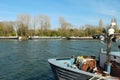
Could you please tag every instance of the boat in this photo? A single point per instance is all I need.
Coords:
(95, 36)
(88, 67)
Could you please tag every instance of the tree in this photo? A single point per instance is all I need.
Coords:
(1, 28)
(65, 26)
(43, 22)
(35, 23)
(23, 21)
(8, 28)
(116, 26)
(46, 24)
(101, 24)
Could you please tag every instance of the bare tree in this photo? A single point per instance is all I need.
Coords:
(35, 23)
(23, 21)
(101, 23)
(116, 26)
(43, 21)
(65, 26)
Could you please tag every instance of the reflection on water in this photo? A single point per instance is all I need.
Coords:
(27, 60)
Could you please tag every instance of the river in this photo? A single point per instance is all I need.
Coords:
(27, 60)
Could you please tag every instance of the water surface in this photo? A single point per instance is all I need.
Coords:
(27, 60)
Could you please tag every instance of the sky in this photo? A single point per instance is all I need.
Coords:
(77, 12)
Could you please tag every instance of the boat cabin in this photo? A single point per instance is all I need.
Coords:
(114, 61)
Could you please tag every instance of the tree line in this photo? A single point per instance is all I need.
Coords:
(40, 25)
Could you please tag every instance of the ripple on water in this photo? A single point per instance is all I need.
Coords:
(27, 60)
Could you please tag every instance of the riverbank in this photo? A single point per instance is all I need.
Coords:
(46, 37)
(80, 38)
(8, 37)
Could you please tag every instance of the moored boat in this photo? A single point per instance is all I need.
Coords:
(64, 69)
(88, 67)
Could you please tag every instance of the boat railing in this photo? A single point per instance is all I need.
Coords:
(65, 58)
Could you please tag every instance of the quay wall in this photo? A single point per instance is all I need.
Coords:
(8, 37)
(80, 38)
(42, 37)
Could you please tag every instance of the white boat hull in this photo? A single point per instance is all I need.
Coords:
(66, 73)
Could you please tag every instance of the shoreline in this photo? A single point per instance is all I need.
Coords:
(45, 37)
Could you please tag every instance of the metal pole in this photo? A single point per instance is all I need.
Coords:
(109, 36)
(109, 44)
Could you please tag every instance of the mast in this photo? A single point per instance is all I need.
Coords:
(109, 35)
(109, 44)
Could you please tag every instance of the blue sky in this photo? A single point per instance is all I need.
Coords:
(77, 12)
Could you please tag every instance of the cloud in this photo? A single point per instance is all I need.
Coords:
(106, 9)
